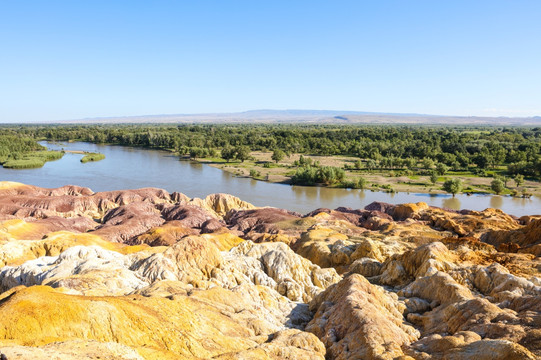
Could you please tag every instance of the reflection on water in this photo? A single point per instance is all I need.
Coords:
(131, 168)
(196, 166)
(330, 194)
(253, 183)
(226, 177)
(496, 201)
(451, 203)
(309, 193)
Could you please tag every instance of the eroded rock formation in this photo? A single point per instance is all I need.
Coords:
(143, 274)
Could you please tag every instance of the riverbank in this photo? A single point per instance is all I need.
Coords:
(262, 167)
(195, 179)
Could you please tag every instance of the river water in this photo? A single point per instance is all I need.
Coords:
(132, 168)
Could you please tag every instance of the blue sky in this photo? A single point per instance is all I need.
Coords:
(76, 59)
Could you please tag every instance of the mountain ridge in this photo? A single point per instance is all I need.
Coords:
(307, 116)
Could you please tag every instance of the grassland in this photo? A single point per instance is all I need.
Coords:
(261, 167)
(34, 159)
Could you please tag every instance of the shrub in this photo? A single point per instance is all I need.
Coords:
(278, 155)
(330, 175)
(348, 184)
(361, 183)
(441, 168)
(254, 173)
(309, 175)
(305, 175)
(433, 177)
(497, 186)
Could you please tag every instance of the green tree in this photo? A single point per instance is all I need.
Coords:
(242, 153)
(519, 180)
(428, 163)
(433, 177)
(278, 155)
(441, 168)
(330, 175)
(228, 153)
(305, 161)
(453, 186)
(410, 163)
(197, 152)
(254, 173)
(361, 183)
(497, 186)
(305, 175)
(371, 164)
(483, 159)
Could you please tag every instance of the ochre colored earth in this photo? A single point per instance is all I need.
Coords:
(144, 274)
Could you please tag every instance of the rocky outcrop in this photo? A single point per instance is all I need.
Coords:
(195, 261)
(220, 204)
(118, 216)
(167, 234)
(329, 247)
(15, 252)
(357, 320)
(276, 266)
(526, 239)
(126, 222)
(265, 220)
(143, 274)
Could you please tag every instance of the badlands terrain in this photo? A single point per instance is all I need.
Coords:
(144, 274)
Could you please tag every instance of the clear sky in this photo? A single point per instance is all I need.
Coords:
(76, 59)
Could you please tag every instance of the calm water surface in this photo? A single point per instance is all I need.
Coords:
(132, 168)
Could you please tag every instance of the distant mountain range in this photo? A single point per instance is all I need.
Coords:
(313, 117)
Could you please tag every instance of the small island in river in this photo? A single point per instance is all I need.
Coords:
(92, 157)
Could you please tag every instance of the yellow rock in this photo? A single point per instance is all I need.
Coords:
(223, 241)
(179, 327)
(220, 204)
(70, 350)
(358, 320)
(16, 252)
(17, 229)
(405, 211)
(167, 234)
(10, 185)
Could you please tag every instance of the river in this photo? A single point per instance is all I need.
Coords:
(131, 168)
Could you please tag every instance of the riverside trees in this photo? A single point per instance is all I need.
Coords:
(453, 186)
(513, 150)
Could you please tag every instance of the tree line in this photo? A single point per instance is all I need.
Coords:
(458, 148)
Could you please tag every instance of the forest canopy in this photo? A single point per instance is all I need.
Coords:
(460, 147)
